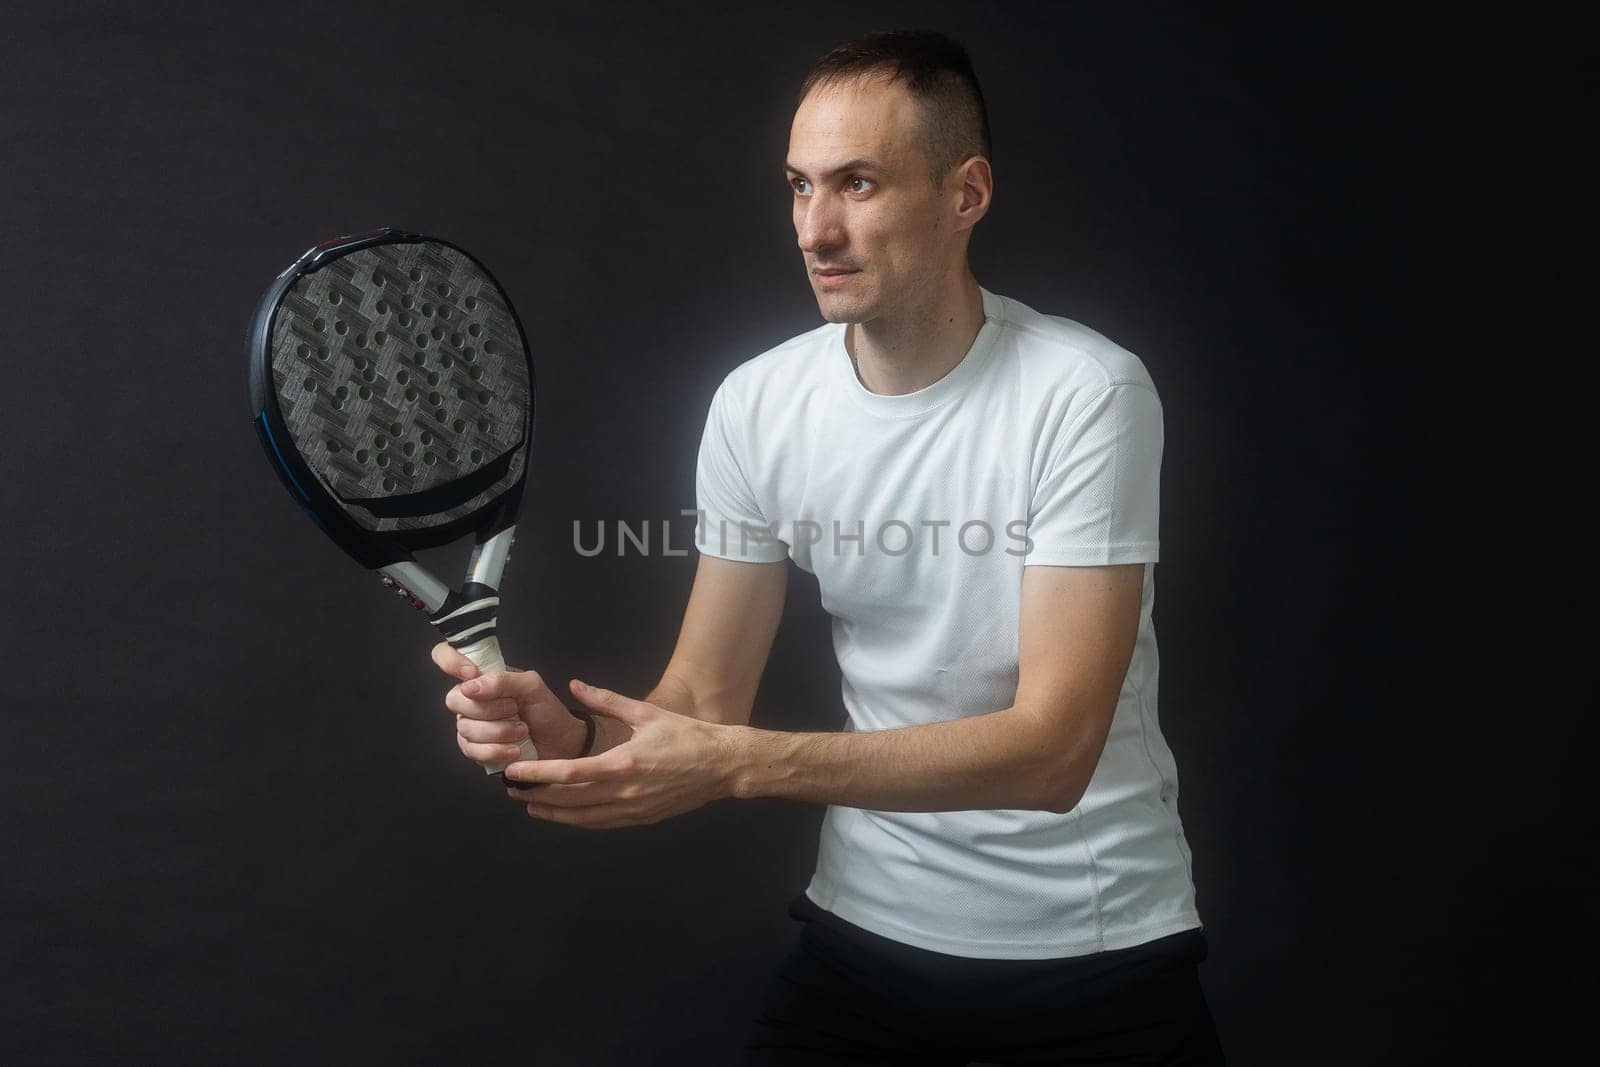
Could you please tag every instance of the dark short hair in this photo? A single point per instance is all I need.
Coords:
(936, 71)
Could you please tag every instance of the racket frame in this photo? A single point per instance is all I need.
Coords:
(390, 554)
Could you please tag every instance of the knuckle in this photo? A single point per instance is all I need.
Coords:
(627, 764)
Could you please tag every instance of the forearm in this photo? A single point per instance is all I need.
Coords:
(676, 696)
(1005, 759)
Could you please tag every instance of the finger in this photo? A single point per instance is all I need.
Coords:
(506, 683)
(615, 763)
(488, 755)
(582, 795)
(461, 704)
(633, 712)
(496, 732)
(452, 662)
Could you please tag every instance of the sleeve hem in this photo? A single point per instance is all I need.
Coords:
(1094, 555)
(748, 557)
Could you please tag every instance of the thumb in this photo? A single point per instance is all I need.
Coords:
(615, 705)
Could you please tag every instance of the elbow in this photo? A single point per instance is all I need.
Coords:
(1060, 806)
(1059, 794)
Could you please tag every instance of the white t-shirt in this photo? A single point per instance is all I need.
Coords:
(917, 514)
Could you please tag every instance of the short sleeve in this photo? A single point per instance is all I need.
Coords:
(1098, 502)
(730, 524)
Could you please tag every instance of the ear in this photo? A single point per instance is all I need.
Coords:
(975, 180)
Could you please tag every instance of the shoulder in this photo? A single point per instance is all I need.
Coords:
(1068, 376)
(1057, 354)
(782, 375)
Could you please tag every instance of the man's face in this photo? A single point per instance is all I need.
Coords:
(863, 204)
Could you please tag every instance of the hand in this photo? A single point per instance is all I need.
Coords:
(671, 764)
(494, 713)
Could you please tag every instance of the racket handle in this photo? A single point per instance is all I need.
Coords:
(485, 655)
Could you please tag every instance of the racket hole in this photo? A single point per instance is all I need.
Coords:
(333, 446)
(407, 302)
(440, 415)
(444, 312)
(361, 455)
(474, 373)
(474, 329)
(476, 455)
(380, 442)
(383, 460)
(369, 374)
(471, 302)
(402, 377)
(411, 394)
(459, 425)
(361, 340)
(483, 425)
(388, 484)
(340, 328)
(483, 396)
(446, 291)
(436, 333)
(461, 392)
(426, 437)
(452, 455)
(435, 399)
(378, 278)
(364, 393)
(405, 320)
(302, 351)
(433, 379)
(333, 296)
(455, 339)
(408, 468)
(469, 354)
(430, 459)
(420, 359)
(409, 449)
(319, 325)
(310, 386)
(446, 362)
(380, 338)
(422, 340)
(394, 428)
(382, 307)
(341, 392)
(489, 345)
(322, 354)
(416, 275)
(427, 311)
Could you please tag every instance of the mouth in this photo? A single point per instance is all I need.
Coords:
(832, 276)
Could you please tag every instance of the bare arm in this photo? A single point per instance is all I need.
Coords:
(1078, 628)
(727, 632)
(1077, 631)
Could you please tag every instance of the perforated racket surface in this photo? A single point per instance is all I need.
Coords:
(392, 390)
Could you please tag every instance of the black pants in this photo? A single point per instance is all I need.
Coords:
(846, 995)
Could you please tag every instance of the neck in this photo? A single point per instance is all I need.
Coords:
(913, 347)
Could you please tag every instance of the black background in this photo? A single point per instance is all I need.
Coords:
(235, 825)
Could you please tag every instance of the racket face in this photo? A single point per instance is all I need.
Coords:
(394, 392)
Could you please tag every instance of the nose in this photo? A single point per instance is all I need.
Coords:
(819, 225)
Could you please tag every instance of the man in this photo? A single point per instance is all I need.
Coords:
(1003, 873)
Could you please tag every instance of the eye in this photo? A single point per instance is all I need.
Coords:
(863, 181)
(796, 183)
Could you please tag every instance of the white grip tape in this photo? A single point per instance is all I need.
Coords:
(486, 656)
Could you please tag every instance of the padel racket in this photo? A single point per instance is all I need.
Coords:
(393, 393)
